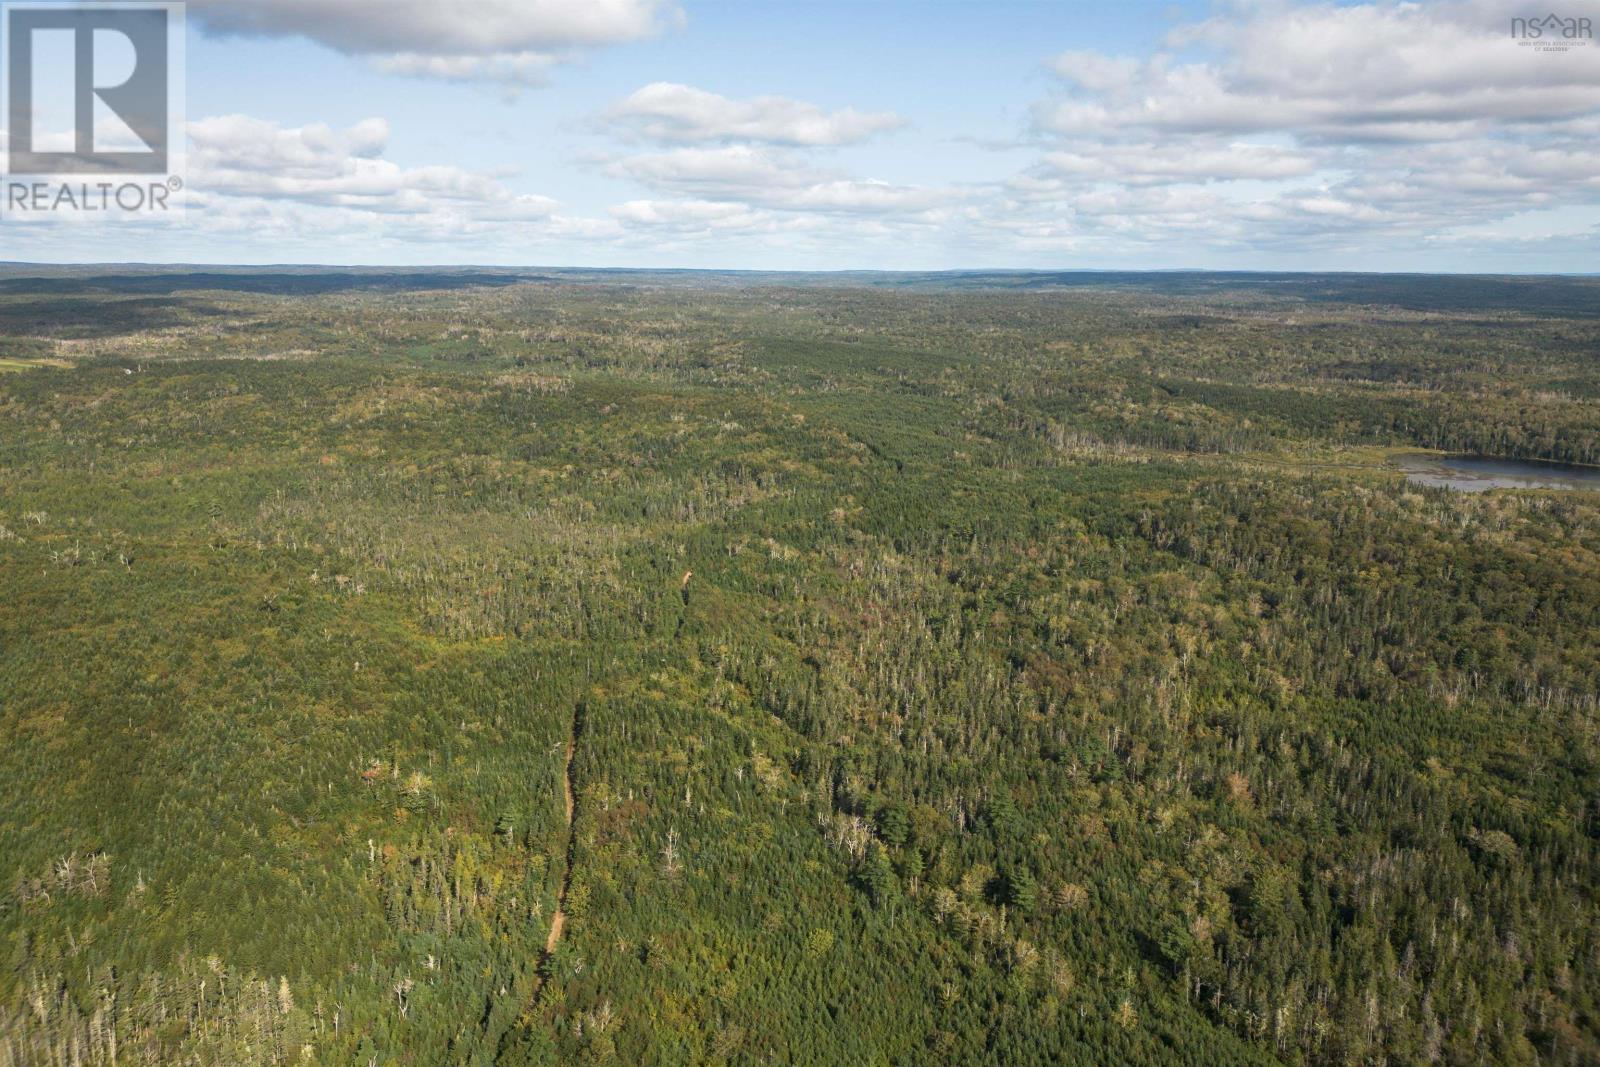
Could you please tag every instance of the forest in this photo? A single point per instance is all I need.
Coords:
(578, 667)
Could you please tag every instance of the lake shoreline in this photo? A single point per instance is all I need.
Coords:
(1478, 474)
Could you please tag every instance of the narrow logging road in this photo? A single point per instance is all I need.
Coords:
(558, 921)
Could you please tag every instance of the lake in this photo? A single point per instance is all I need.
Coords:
(1474, 474)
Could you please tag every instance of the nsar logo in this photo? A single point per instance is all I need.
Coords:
(1552, 32)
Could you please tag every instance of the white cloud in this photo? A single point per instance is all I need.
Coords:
(512, 41)
(702, 219)
(748, 169)
(1342, 73)
(1096, 72)
(1271, 128)
(441, 27)
(1150, 163)
(668, 112)
(507, 68)
(698, 213)
(241, 156)
(1314, 126)
(735, 170)
(772, 178)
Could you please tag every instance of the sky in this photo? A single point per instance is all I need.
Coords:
(876, 134)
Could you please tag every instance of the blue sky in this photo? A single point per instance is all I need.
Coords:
(1270, 135)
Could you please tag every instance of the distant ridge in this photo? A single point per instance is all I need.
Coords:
(1571, 295)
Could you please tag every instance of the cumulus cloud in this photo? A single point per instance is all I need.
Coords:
(241, 156)
(1269, 128)
(747, 163)
(771, 178)
(673, 113)
(462, 27)
(752, 166)
(1151, 163)
(507, 68)
(702, 220)
(1340, 73)
(696, 213)
(1312, 125)
(514, 41)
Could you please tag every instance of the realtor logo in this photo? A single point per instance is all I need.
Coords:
(93, 93)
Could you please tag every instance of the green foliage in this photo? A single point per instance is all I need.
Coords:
(967, 670)
(1022, 889)
(893, 825)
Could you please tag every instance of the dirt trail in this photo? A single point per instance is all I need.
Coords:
(558, 921)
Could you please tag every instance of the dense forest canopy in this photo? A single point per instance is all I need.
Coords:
(540, 667)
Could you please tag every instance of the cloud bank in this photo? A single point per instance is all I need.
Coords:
(515, 41)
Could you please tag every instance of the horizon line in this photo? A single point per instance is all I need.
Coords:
(1019, 271)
